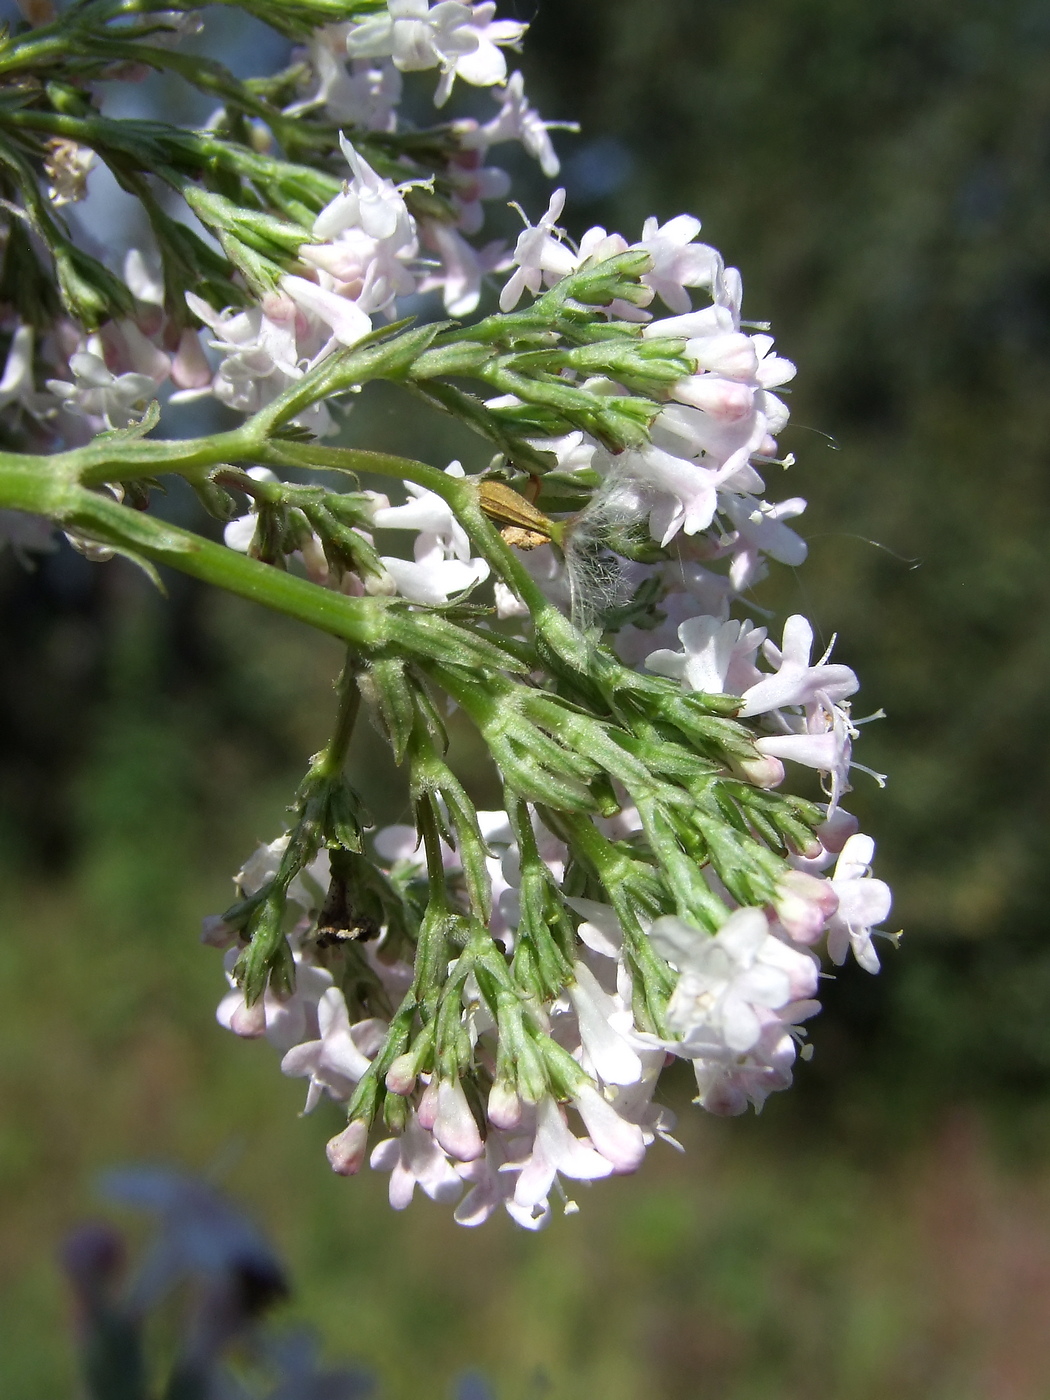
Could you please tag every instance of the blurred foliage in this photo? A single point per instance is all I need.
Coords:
(881, 173)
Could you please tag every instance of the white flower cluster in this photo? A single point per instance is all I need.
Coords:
(523, 1055)
(364, 251)
(697, 486)
(735, 1014)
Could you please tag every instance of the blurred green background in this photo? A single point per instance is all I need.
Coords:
(881, 173)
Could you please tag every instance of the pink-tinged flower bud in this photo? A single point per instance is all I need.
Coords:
(215, 933)
(722, 398)
(764, 771)
(249, 1022)
(504, 1106)
(190, 368)
(401, 1076)
(619, 1142)
(732, 354)
(346, 1153)
(279, 308)
(347, 322)
(836, 831)
(804, 903)
(428, 1106)
(454, 1127)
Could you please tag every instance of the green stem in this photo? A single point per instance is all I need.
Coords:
(353, 460)
(332, 759)
(361, 622)
(461, 493)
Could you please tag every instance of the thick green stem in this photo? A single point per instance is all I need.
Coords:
(361, 622)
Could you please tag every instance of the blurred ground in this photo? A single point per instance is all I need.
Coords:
(880, 173)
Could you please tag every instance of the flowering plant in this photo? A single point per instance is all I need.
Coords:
(499, 989)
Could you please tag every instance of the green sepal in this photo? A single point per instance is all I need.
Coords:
(217, 502)
(134, 431)
(395, 1113)
(268, 956)
(470, 844)
(90, 292)
(262, 232)
(69, 100)
(343, 816)
(386, 688)
(259, 271)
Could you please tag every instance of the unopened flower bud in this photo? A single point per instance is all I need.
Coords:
(764, 771)
(346, 1152)
(395, 1113)
(504, 1106)
(732, 354)
(190, 368)
(216, 933)
(836, 831)
(454, 1126)
(804, 903)
(619, 1142)
(401, 1076)
(428, 1106)
(722, 398)
(249, 1022)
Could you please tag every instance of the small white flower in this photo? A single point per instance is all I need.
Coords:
(555, 1149)
(16, 383)
(67, 167)
(491, 1179)
(144, 282)
(540, 256)
(678, 260)
(462, 40)
(463, 268)
(728, 1084)
(620, 1142)
(336, 1060)
(605, 1024)
(431, 580)
(796, 681)
(414, 1159)
(284, 1021)
(117, 400)
(369, 202)
(518, 121)
(454, 1127)
(863, 903)
(430, 514)
(345, 319)
(484, 65)
(368, 96)
(717, 656)
(759, 529)
(728, 979)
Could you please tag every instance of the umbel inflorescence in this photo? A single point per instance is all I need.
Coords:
(492, 994)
